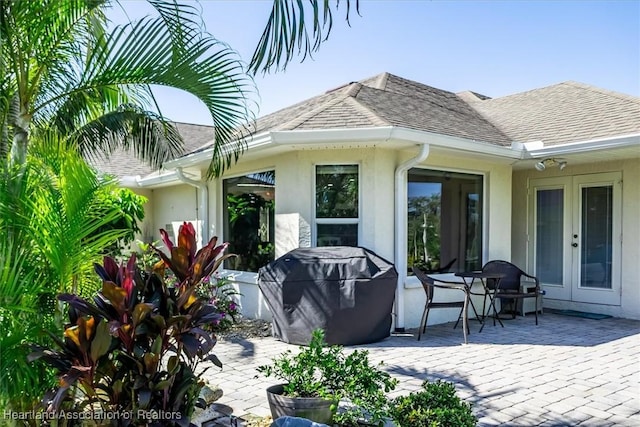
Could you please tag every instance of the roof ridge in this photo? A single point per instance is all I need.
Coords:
(297, 121)
(367, 111)
(382, 80)
(585, 86)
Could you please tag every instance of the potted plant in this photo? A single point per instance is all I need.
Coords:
(435, 405)
(320, 377)
(132, 352)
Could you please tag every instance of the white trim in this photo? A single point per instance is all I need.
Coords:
(622, 141)
(165, 178)
(254, 142)
(372, 135)
(384, 134)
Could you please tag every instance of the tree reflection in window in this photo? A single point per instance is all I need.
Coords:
(337, 205)
(249, 220)
(444, 220)
(337, 191)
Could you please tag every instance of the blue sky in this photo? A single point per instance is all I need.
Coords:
(495, 48)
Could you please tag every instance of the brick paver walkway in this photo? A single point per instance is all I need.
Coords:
(567, 371)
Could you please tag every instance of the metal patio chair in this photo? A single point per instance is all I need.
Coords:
(429, 284)
(512, 287)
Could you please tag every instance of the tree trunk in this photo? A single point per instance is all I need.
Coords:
(18, 154)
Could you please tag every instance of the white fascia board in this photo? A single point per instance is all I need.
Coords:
(457, 143)
(327, 136)
(374, 135)
(623, 141)
(152, 180)
(388, 133)
(204, 156)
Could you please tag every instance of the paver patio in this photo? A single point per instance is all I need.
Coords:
(567, 371)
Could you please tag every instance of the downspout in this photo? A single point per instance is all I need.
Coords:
(400, 255)
(204, 204)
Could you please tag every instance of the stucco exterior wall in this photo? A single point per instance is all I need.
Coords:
(295, 204)
(173, 204)
(148, 224)
(630, 285)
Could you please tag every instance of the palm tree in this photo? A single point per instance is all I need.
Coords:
(48, 245)
(61, 71)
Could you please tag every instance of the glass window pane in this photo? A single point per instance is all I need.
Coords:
(337, 191)
(549, 235)
(249, 203)
(444, 220)
(337, 235)
(596, 244)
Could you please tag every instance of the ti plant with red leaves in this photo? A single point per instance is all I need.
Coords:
(134, 349)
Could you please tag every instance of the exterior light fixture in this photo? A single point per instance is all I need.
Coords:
(544, 163)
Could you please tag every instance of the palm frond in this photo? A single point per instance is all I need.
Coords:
(67, 214)
(287, 32)
(137, 55)
(144, 133)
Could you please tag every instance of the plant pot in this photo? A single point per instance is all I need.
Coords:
(312, 408)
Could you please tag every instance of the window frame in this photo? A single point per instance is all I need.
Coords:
(318, 221)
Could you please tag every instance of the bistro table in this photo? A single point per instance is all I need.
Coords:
(468, 279)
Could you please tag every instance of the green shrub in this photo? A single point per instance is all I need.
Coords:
(327, 372)
(436, 405)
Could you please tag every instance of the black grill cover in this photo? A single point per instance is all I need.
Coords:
(346, 291)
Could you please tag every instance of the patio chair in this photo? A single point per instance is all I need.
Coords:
(511, 287)
(429, 285)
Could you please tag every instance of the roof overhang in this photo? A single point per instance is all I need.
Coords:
(611, 143)
(391, 136)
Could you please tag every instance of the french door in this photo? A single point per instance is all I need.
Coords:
(575, 236)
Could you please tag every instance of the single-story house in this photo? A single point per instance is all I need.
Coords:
(548, 179)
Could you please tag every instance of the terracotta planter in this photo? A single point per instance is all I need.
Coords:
(311, 408)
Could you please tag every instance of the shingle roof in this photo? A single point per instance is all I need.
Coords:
(123, 163)
(386, 100)
(562, 113)
(566, 112)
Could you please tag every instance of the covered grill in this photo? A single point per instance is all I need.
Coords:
(346, 291)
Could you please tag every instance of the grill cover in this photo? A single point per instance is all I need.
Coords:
(346, 291)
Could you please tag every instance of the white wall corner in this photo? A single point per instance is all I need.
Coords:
(292, 231)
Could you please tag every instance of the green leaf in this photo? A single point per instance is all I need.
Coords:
(173, 365)
(101, 342)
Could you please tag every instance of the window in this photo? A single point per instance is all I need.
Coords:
(249, 207)
(337, 212)
(444, 219)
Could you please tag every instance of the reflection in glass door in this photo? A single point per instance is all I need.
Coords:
(596, 237)
(550, 235)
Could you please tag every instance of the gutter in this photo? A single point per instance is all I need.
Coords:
(204, 204)
(400, 255)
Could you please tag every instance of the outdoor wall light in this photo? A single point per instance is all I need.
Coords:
(542, 164)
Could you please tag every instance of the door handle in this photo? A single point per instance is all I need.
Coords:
(575, 245)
